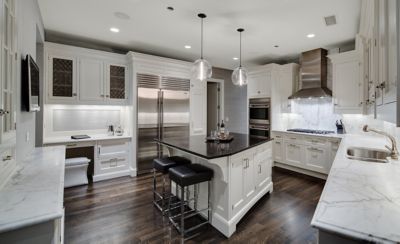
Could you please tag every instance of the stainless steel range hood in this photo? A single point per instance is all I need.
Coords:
(313, 75)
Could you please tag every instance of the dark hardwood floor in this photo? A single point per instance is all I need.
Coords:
(120, 211)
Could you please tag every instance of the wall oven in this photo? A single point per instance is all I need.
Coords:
(259, 110)
(259, 117)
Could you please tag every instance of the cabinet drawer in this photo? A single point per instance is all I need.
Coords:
(106, 149)
(317, 159)
(111, 165)
(292, 138)
(317, 141)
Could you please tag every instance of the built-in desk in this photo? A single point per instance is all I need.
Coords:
(242, 174)
(110, 155)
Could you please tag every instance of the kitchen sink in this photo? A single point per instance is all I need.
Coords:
(368, 154)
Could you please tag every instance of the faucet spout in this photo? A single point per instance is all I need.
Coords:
(394, 153)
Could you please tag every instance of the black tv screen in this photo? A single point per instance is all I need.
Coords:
(30, 87)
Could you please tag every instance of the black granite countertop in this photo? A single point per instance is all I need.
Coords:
(198, 146)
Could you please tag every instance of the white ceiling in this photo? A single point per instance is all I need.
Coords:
(153, 29)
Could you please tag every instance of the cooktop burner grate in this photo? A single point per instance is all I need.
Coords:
(321, 132)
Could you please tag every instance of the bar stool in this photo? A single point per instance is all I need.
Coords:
(186, 176)
(162, 165)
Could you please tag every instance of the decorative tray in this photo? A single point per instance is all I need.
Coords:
(219, 139)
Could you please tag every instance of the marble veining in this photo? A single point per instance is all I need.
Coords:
(34, 194)
(361, 199)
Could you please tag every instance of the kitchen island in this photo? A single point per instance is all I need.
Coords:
(242, 174)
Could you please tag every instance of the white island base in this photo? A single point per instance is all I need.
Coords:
(239, 181)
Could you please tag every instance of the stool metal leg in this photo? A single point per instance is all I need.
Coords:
(195, 189)
(182, 212)
(154, 185)
(208, 201)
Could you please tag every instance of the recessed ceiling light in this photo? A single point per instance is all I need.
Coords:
(170, 8)
(235, 58)
(113, 29)
(311, 35)
(188, 46)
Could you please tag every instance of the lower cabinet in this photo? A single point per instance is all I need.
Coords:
(112, 159)
(313, 153)
(250, 173)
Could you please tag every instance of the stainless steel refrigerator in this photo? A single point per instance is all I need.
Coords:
(163, 111)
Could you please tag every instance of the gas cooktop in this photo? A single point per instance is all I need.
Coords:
(320, 132)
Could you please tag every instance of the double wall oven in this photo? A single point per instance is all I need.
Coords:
(259, 117)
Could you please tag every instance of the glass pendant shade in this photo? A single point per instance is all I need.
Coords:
(239, 76)
(201, 70)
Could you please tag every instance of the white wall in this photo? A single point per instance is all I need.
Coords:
(29, 20)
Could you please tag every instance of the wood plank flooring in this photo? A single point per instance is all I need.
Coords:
(120, 211)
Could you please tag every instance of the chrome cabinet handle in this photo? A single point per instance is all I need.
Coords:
(3, 112)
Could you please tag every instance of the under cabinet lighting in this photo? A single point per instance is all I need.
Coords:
(235, 58)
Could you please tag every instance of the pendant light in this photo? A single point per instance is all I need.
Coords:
(239, 75)
(201, 69)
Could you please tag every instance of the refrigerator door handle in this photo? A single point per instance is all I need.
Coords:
(162, 114)
(158, 115)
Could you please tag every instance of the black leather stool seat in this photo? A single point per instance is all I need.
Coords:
(164, 164)
(190, 174)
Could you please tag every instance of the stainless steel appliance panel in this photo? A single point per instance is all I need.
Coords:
(148, 128)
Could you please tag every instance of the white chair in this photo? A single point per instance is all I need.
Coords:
(76, 171)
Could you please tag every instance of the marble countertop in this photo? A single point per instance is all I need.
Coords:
(94, 137)
(332, 135)
(198, 146)
(361, 199)
(34, 194)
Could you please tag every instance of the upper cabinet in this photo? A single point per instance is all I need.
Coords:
(259, 82)
(379, 37)
(348, 92)
(83, 76)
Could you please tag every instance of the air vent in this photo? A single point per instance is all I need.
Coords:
(172, 83)
(330, 20)
(148, 81)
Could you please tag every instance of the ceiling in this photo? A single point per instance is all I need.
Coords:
(153, 29)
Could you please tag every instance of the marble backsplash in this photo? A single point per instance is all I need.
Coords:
(318, 113)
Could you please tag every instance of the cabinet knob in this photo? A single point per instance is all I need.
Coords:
(107, 95)
(74, 94)
(258, 92)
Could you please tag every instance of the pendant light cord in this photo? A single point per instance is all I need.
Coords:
(240, 50)
(201, 38)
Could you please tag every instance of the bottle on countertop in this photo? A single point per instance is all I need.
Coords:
(222, 129)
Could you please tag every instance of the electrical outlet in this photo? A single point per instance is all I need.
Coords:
(27, 136)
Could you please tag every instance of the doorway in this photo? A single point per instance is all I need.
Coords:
(215, 104)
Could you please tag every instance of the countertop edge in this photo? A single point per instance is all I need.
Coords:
(214, 157)
(332, 135)
(57, 140)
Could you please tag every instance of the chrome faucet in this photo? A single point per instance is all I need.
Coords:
(394, 153)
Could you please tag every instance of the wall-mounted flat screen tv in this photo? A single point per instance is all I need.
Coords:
(30, 85)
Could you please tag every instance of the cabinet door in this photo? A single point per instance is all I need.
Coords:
(116, 82)
(91, 80)
(259, 84)
(249, 180)
(198, 108)
(278, 150)
(62, 77)
(390, 90)
(347, 87)
(317, 159)
(238, 165)
(293, 154)
(263, 168)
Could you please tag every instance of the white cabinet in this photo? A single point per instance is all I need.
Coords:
(348, 92)
(62, 77)
(91, 80)
(238, 196)
(317, 159)
(293, 153)
(84, 76)
(263, 166)
(312, 153)
(250, 173)
(259, 82)
(111, 159)
(198, 108)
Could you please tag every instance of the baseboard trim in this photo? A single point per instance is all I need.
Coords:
(301, 171)
(112, 175)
